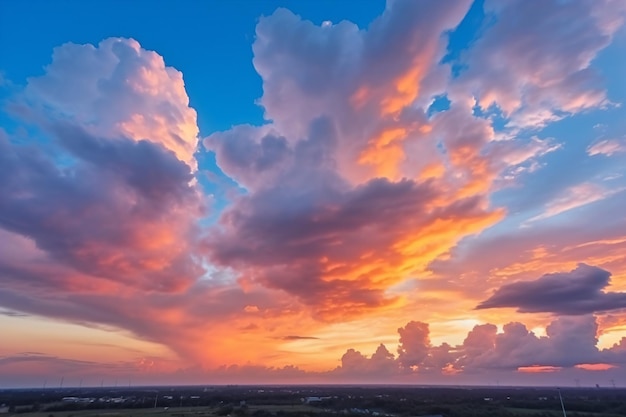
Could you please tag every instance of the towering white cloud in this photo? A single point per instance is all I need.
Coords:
(117, 88)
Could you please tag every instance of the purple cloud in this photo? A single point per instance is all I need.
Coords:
(94, 215)
(572, 293)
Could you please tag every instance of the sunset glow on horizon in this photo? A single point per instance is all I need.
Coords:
(415, 192)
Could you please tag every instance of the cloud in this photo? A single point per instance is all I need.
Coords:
(414, 344)
(11, 313)
(354, 364)
(112, 197)
(119, 89)
(336, 68)
(122, 212)
(343, 199)
(295, 337)
(98, 205)
(251, 156)
(42, 358)
(577, 196)
(534, 60)
(607, 147)
(349, 144)
(29, 369)
(349, 189)
(574, 293)
(312, 246)
(570, 342)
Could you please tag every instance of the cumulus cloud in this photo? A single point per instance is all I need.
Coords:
(118, 89)
(576, 292)
(98, 208)
(414, 344)
(352, 184)
(333, 214)
(112, 196)
(570, 342)
(122, 212)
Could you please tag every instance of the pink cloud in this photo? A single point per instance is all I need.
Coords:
(534, 62)
(414, 344)
(574, 197)
(365, 82)
(570, 343)
(111, 216)
(118, 89)
(607, 147)
(107, 220)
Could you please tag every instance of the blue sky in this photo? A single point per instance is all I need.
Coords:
(211, 41)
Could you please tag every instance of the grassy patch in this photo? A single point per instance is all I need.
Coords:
(556, 413)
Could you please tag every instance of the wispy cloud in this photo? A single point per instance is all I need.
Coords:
(574, 197)
(607, 147)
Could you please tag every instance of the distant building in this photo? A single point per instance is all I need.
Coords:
(309, 400)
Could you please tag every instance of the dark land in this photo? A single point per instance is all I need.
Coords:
(312, 401)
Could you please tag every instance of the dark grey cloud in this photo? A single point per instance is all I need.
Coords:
(295, 337)
(569, 293)
(11, 313)
(43, 358)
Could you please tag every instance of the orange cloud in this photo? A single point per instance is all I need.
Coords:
(595, 366)
(385, 152)
(405, 88)
(534, 369)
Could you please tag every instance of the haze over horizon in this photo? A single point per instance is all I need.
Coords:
(407, 192)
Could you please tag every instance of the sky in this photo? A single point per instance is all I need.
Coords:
(404, 192)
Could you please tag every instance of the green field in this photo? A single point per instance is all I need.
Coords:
(531, 411)
(303, 408)
(166, 412)
(131, 412)
(251, 409)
